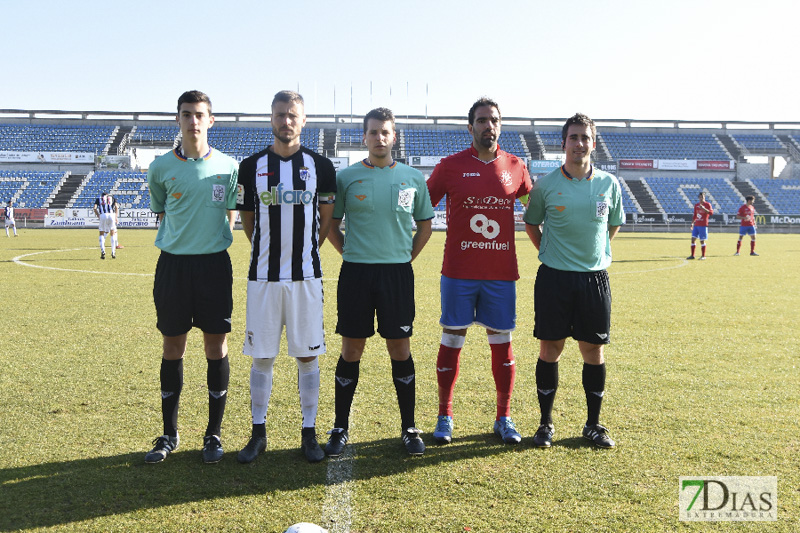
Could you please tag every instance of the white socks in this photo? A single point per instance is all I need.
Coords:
(260, 388)
(308, 383)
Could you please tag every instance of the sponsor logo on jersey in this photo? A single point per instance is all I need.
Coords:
(361, 197)
(278, 196)
(471, 175)
(489, 229)
(488, 202)
(177, 195)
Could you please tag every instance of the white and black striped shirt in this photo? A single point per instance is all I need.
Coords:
(285, 195)
(105, 204)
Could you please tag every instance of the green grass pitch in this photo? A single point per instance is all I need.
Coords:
(702, 380)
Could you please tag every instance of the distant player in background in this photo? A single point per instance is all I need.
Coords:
(702, 211)
(573, 214)
(115, 232)
(193, 191)
(479, 273)
(747, 214)
(286, 195)
(379, 200)
(106, 209)
(8, 214)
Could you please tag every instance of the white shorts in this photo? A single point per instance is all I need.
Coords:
(298, 305)
(107, 222)
(10, 222)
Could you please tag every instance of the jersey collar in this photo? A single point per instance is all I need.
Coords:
(367, 164)
(179, 154)
(474, 153)
(566, 174)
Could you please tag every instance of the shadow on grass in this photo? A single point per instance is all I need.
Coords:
(54, 494)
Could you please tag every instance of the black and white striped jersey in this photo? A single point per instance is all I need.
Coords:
(105, 204)
(285, 195)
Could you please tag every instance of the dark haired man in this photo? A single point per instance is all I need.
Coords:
(106, 210)
(479, 272)
(747, 215)
(193, 191)
(8, 215)
(573, 214)
(702, 212)
(379, 199)
(286, 194)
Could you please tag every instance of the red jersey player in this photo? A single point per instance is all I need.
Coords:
(747, 214)
(702, 212)
(479, 272)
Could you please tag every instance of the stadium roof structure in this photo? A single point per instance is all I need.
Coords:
(12, 115)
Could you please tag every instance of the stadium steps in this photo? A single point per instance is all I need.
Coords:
(329, 142)
(534, 146)
(603, 150)
(67, 191)
(762, 205)
(122, 132)
(791, 146)
(729, 145)
(642, 195)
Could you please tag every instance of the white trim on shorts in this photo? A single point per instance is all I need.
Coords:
(271, 305)
(107, 222)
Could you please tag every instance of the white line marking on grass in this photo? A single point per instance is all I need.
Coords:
(682, 264)
(19, 260)
(336, 511)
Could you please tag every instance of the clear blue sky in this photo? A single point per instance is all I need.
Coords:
(675, 59)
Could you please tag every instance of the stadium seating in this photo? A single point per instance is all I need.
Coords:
(702, 146)
(154, 134)
(238, 142)
(678, 195)
(627, 202)
(29, 189)
(241, 142)
(445, 142)
(784, 195)
(55, 138)
(759, 143)
(128, 187)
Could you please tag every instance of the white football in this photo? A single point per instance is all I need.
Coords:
(305, 527)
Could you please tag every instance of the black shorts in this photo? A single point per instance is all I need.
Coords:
(572, 304)
(366, 290)
(193, 291)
